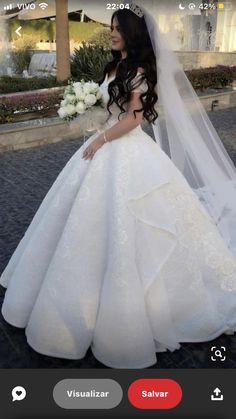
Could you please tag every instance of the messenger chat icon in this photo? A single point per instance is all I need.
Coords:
(18, 393)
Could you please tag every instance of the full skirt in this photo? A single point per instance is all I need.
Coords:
(120, 256)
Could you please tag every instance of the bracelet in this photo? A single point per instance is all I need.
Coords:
(104, 137)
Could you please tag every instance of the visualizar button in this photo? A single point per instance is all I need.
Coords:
(86, 393)
(154, 393)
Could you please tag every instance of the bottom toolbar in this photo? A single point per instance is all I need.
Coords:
(103, 393)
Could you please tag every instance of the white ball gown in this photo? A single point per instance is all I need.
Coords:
(120, 256)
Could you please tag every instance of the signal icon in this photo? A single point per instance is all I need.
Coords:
(9, 7)
(43, 5)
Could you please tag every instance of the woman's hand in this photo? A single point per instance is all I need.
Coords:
(93, 147)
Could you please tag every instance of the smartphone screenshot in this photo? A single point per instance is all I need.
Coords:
(117, 209)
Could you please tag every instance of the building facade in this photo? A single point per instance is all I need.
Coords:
(213, 29)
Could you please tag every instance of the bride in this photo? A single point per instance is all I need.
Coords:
(132, 252)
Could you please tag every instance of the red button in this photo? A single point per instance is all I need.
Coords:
(154, 393)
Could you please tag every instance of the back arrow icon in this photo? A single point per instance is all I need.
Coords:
(17, 31)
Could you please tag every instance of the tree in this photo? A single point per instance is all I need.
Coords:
(63, 41)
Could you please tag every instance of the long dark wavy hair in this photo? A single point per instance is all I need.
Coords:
(139, 54)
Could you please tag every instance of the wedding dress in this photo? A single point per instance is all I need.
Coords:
(120, 256)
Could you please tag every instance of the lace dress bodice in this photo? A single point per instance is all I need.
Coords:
(114, 108)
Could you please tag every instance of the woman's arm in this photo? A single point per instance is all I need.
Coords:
(129, 122)
(122, 127)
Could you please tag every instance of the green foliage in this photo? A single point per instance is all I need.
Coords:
(19, 84)
(101, 37)
(6, 114)
(45, 30)
(81, 31)
(212, 77)
(88, 62)
(24, 42)
(37, 30)
(20, 59)
(21, 54)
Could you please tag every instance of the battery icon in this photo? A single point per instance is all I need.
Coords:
(227, 5)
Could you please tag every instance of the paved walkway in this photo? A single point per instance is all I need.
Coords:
(25, 178)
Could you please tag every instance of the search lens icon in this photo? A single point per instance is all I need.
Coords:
(218, 354)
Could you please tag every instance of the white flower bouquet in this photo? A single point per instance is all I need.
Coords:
(83, 98)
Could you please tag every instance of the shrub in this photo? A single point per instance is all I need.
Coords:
(21, 60)
(30, 102)
(6, 114)
(24, 42)
(37, 30)
(81, 31)
(21, 53)
(45, 30)
(89, 61)
(101, 37)
(230, 70)
(19, 84)
(211, 77)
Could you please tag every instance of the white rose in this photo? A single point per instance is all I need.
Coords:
(77, 84)
(70, 98)
(94, 86)
(90, 100)
(79, 94)
(70, 109)
(90, 86)
(80, 108)
(86, 88)
(62, 112)
(63, 102)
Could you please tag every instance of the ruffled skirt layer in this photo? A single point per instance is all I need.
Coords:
(120, 256)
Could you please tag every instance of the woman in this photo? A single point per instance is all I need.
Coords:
(121, 255)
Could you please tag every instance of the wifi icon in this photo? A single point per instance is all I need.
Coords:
(43, 5)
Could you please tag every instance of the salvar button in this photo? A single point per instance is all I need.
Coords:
(155, 393)
(84, 393)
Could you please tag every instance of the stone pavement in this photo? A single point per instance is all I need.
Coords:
(25, 178)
